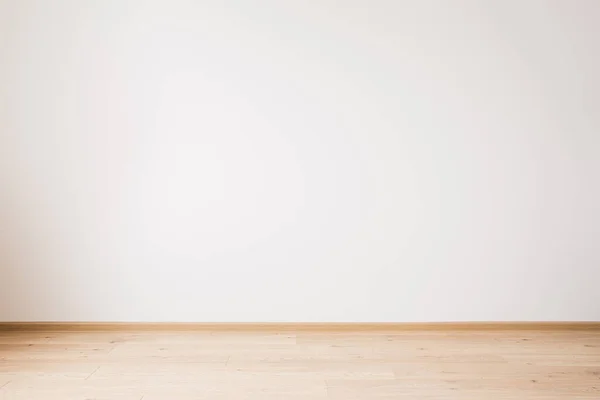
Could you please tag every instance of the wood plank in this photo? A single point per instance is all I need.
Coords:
(258, 364)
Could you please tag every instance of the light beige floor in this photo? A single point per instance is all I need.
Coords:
(271, 365)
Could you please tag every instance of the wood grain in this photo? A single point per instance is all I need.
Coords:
(136, 364)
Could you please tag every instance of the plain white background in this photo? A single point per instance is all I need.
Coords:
(299, 160)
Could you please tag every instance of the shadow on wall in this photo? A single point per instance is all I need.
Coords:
(13, 260)
(32, 288)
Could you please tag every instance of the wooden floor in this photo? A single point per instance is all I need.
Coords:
(269, 365)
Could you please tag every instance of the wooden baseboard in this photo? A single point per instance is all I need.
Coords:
(300, 326)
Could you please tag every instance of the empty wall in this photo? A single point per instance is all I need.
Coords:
(299, 160)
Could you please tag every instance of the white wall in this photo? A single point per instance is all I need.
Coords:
(275, 160)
